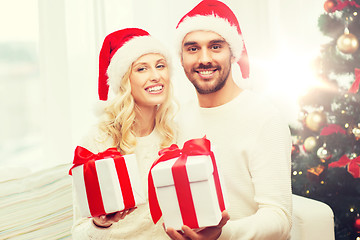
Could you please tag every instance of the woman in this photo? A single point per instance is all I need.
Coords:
(137, 118)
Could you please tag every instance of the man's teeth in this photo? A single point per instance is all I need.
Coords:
(156, 88)
(206, 72)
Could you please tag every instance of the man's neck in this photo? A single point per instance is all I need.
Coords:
(230, 91)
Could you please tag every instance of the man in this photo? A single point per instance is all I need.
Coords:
(250, 141)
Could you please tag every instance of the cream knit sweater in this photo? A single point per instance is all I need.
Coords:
(252, 146)
(137, 225)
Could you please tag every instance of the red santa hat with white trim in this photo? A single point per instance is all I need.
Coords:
(119, 50)
(213, 15)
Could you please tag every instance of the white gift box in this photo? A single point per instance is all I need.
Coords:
(203, 191)
(109, 184)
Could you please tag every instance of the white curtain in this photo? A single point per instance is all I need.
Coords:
(72, 31)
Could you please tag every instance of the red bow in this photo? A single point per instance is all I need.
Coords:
(342, 4)
(331, 129)
(82, 156)
(353, 165)
(355, 86)
(192, 147)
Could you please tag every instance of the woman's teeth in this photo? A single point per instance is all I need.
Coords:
(155, 89)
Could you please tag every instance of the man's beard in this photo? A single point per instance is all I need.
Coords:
(219, 84)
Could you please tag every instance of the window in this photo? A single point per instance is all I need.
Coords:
(20, 84)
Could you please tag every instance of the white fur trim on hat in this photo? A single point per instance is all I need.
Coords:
(129, 53)
(211, 23)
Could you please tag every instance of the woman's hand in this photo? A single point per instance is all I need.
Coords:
(105, 221)
(207, 233)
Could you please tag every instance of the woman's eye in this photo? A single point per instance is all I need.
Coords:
(141, 69)
(161, 66)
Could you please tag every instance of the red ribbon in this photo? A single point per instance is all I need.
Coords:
(353, 165)
(192, 147)
(340, 5)
(355, 86)
(85, 157)
(183, 191)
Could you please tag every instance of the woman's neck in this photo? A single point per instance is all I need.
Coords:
(144, 121)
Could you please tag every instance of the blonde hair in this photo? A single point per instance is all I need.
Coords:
(119, 118)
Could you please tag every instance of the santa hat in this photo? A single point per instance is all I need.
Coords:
(119, 50)
(213, 15)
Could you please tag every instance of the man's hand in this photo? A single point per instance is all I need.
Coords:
(105, 221)
(207, 233)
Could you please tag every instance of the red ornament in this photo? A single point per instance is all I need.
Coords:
(295, 150)
(357, 224)
(329, 6)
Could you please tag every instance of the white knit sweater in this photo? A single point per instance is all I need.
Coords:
(138, 224)
(252, 146)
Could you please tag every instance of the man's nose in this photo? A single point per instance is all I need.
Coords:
(205, 57)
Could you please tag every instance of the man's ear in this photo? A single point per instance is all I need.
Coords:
(232, 59)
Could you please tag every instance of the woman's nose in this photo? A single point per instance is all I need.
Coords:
(155, 75)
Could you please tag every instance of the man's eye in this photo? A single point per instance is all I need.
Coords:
(216, 47)
(192, 49)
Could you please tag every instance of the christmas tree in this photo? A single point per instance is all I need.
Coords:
(326, 144)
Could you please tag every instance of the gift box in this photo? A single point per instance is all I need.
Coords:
(106, 182)
(185, 187)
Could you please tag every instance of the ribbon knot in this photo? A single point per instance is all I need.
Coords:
(82, 156)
